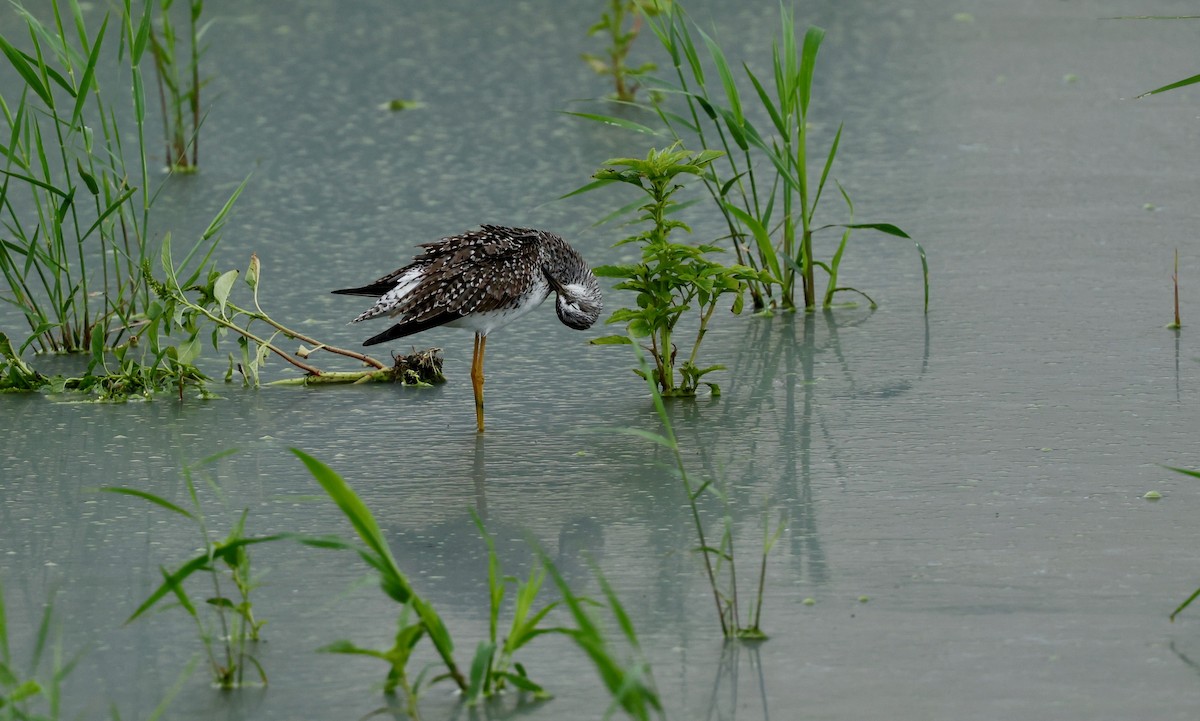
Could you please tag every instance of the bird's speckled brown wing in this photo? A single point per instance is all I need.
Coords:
(476, 272)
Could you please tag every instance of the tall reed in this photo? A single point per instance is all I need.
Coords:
(179, 85)
(762, 186)
(67, 197)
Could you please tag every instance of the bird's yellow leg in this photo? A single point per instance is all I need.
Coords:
(477, 378)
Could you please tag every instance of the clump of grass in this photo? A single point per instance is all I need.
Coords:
(621, 33)
(672, 277)
(66, 196)
(762, 184)
(629, 681)
(231, 627)
(720, 562)
(179, 86)
(493, 668)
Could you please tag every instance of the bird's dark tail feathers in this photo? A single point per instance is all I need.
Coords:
(407, 328)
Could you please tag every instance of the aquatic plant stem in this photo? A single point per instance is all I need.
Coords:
(294, 335)
(673, 443)
(226, 323)
(1175, 282)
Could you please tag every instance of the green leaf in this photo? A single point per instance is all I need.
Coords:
(85, 82)
(26, 71)
(590, 186)
(1184, 471)
(731, 91)
(88, 179)
(611, 340)
(222, 287)
(157, 500)
(138, 44)
(647, 435)
(349, 648)
(357, 513)
(616, 271)
(1178, 84)
(808, 62)
(219, 220)
(479, 670)
(881, 227)
(766, 250)
(610, 120)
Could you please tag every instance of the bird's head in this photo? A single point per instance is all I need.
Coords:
(579, 301)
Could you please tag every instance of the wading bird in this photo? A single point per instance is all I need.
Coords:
(483, 280)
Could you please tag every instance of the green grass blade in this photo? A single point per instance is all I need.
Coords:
(1179, 84)
(89, 72)
(138, 44)
(26, 71)
(731, 91)
(833, 148)
(808, 62)
(646, 435)
(354, 509)
(480, 665)
(1184, 471)
(34, 181)
(585, 188)
(768, 103)
(219, 220)
(610, 120)
(147, 496)
(1185, 604)
(766, 249)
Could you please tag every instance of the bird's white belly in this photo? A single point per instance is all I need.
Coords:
(487, 321)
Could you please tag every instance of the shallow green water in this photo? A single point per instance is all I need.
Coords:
(976, 472)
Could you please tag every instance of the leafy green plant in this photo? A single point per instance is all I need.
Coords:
(720, 563)
(672, 277)
(771, 220)
(232, 626)
(621, 34)
(179, 88)
(202, 300)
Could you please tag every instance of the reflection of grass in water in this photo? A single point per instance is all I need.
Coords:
(719, 561)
